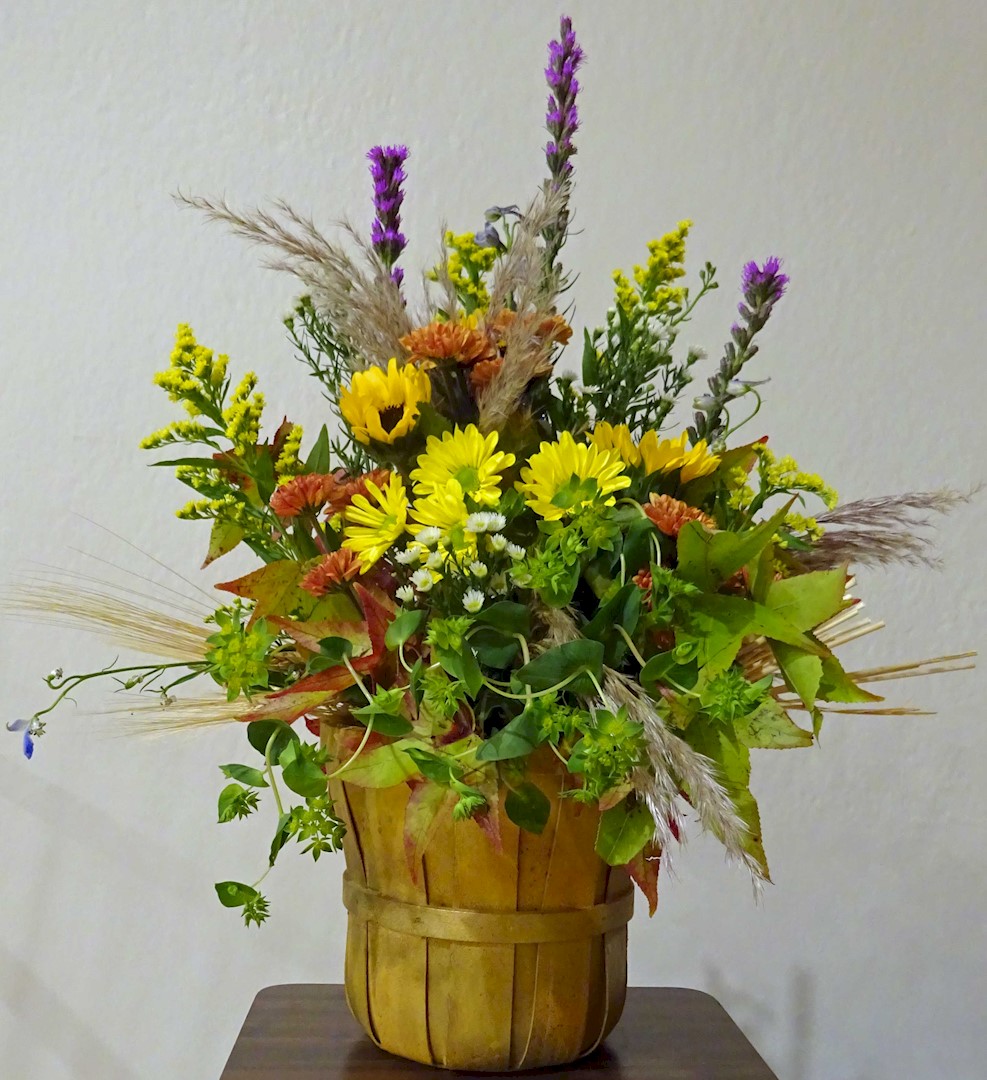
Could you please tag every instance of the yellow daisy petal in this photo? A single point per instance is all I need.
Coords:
(564, 476)
(372, 529)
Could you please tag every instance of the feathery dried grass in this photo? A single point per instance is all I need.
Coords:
(882, 531)
(673, 764)
(151, 715)
(365, 307)
(520, 277)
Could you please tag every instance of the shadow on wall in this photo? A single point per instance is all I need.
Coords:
(761, 1023)
(68, 1037)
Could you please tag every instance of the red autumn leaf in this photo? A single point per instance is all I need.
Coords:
(643, 869)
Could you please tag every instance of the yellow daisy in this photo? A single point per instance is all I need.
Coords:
(467, 458)
(444, 510)
(564, 476)
(375, 528)
(671, 454)
(607, 437)
(383, 406)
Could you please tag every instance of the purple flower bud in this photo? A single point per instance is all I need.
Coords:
(562, 118)
(388, 175)
(767, 283)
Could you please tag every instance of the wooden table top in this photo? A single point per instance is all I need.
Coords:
(305, 1032)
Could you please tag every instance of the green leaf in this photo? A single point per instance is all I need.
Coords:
(281, 837)
(333, 650)
(318, 460)
(622, 609)
(264, 476)
(234, 893)
(591, 361)
(528, 807)
(515, 739)
(461, 665)
(493, 648)
(623, 831)
(274, 587)
(223, 538)
(434, 767)
(733, 759)
(259, 734)
(707, 558)
(806, 600)
(663, 667)
(802, 671)
(245, 774)
(508, 617)
(234, 802)
(769, 727)
(562, 590)
(382, 767)
(836, 685)
(196, 462)
(305, 778)
(564, 662)
(637, 548)
(402, 627)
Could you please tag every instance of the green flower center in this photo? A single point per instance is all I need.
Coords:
(468, 478)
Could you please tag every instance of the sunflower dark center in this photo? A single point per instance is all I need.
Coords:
(391, 417)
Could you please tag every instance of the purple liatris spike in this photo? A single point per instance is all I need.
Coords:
(562, 118)
(386, 168)
(765, 283)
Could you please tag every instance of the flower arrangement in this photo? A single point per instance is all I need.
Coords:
(483, 559)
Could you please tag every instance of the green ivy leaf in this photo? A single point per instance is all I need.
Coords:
(493, 648)
(440, 770)
(528, 807)
(622, 609)
(623, 832)
(236, 802)
(518, 738)
(567, 661)
(508, 617)
(245, 774)
(281, 836)
(461, 665)
(259, 734)
(405, 625)
(305, 778)
(333, 650)
(234, 893)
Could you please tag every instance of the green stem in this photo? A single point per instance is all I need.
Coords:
(269, 770)
(630, 644)
(359, 682)
(70, 682)
(359, 750)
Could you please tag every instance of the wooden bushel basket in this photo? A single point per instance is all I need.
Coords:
(490, 960)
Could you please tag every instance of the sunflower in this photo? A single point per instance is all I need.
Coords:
(375, 528)
(564, 476)
(469, 459)
(384, 406)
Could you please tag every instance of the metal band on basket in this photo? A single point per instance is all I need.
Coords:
(485, 927)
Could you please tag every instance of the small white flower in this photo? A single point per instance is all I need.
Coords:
(498, 582)
(516, 551)
(495, 522)
(478, 522)
(497, 542)
(478, 569)
(408, 556)
(435, 560)
(473, 600)
(405, 594)
(429, 536)
(422, 580)
(56, 675)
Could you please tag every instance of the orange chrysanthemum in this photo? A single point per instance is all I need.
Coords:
(554, 329)
(482, 373)
(448, 341)
(335, 568)
(669, 514)
(345, 487)
(308, 492)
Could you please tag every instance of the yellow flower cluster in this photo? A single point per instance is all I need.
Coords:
(467, 264)
(653, 455)
(784, 474)
(179, 431)
(289, 463)
(228, 507)
(243, 415)
(654, 292)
